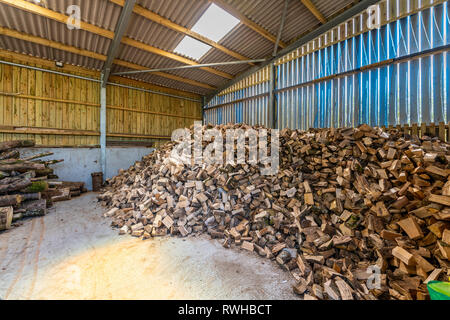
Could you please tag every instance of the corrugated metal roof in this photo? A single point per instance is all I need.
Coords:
(153, 34)
(101, 13)
(52, 30)
(44, 52)
(267, 13)
(247, 42)
(218, 56)
(152, 61)
(152, 78)
(105, 14)
(182, 12)
(329, 8)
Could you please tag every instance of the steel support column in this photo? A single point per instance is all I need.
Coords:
(121, 27)
(272, 108)
(103, 129)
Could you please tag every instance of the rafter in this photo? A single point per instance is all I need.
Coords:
(36, 9)
(68, 68)
(246, 21)
(90, 54)
(311, 7)
(175, 27)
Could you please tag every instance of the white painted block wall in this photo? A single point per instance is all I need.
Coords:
(79, 163)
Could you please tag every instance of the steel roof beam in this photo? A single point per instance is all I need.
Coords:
(121, 27)
(214, 64)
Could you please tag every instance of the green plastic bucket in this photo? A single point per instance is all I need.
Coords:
(439, 290)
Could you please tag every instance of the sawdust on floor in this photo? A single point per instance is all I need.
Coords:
(73, 254)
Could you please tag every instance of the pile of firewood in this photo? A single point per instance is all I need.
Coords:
(355, 213)
(26, 189)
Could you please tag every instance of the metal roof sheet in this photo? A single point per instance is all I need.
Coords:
(105, 14)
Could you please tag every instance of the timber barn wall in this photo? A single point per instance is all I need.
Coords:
(61, 111)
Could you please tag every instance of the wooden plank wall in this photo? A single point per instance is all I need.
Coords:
(433, 130)
(57, 110)
(145, 114)
(35, 101)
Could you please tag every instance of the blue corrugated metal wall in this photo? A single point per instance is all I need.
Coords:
(413, 91)
(252, 111)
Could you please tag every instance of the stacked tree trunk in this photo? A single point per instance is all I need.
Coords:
(355, 213)
(25, 184)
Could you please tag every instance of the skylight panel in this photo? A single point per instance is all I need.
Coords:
(215, 23)
(192, 48)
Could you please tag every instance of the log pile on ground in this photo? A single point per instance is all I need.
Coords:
(355, 213)
(26, 188)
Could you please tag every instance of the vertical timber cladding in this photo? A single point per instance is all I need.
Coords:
(58, 110)
(352, 74)
(142, 114)
(41, 105)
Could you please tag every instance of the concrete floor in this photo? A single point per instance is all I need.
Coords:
(72, 253)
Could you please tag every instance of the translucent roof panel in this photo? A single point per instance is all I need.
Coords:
(192, 48)
(215, 23)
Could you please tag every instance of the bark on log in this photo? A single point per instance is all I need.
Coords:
(16, 144)
(27, 175)
(6, 215)
(35, 208)
(64, 194)
(31, 196)
(44, 172)
(9, 154)
(10, 200)
(37, 156)
(50, 162)
(36, 186)
(22, 167)
(74, 186)
(18, 184)
(3, 174)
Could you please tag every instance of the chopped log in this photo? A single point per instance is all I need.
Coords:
(446, 236)
(445, 200)
(433, 276)
(411, 228)
(6, 215)
(343, 200)
(406, 257)
(445, 249)
(16, 144)
(247, 246)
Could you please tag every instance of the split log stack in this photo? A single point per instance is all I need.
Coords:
(25, 188)
(354, 213)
